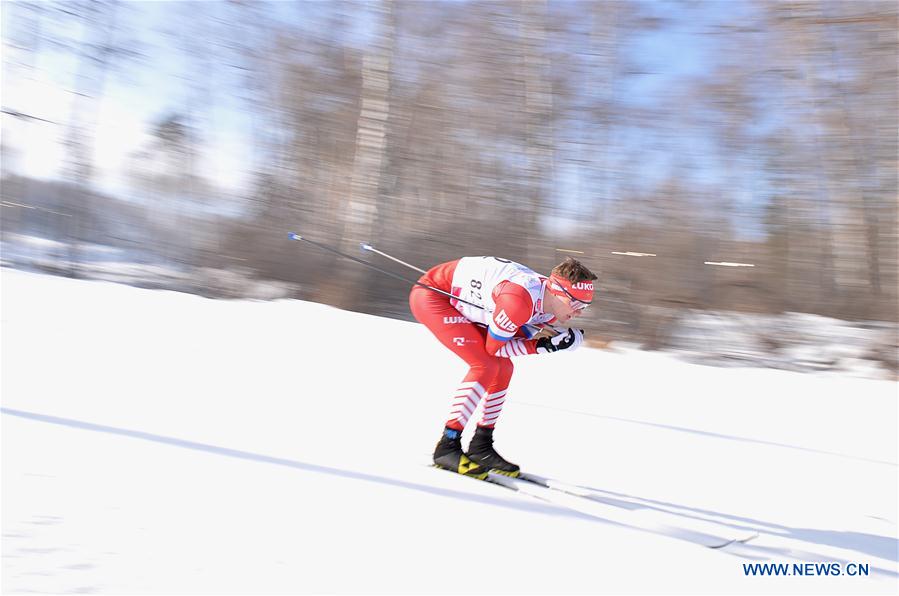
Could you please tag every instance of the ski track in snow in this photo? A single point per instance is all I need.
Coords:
(157, 442)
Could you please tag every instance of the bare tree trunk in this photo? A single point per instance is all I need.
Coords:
(538, 114)
(861, 199)
(95, 56)
(604, 45)
(847, 232)
(371, 135)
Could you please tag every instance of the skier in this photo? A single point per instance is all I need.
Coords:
(515, 303)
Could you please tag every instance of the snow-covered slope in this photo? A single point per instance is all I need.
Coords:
(157, 442)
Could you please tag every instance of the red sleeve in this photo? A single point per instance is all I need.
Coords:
(514, 308)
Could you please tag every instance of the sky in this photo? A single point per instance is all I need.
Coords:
(141, 91)
(136, 95)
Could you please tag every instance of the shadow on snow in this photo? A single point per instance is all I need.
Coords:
(879, 546)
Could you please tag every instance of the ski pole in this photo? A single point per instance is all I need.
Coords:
(371, 248)
(295, 236)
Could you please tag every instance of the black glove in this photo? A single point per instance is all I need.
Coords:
(567, 340)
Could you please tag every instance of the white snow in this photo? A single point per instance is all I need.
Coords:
(156, 442)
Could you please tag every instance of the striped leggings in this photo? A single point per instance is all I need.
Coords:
(488, 376)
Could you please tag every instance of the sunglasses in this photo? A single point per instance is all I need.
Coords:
(574, 302)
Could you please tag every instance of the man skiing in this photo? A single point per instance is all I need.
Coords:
(497, 308)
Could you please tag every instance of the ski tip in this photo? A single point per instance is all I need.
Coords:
(294, 236)
(364, 246)
(732, 541)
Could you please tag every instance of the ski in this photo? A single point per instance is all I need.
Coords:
(623, 513)
(690, 522)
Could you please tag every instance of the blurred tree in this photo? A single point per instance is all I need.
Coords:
(812, 39)
(363, 204)
(538, 139)
(512, 128)
(104, 44)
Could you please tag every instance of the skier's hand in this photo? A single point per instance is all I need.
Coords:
(567, 340)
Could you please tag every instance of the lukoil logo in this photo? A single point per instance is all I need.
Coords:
(454, 320)
(583, 285)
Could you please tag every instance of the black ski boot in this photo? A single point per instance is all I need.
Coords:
(481, 451)
(449, 455)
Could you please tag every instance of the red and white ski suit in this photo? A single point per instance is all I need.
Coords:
(511, 297)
